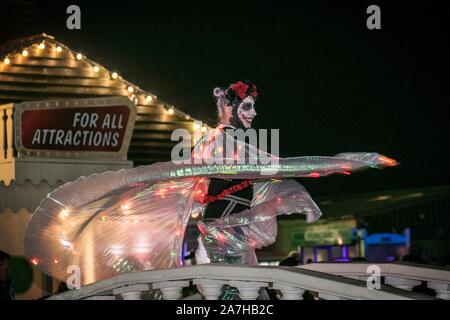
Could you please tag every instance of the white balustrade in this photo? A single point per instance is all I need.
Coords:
(442, 289)
(402, 283)
(100, 298)
(360, 278)
(327, 296)
(210, 289)
(132, 292)
(248, 290)
(292, 282)
(171, 290)
(289, 292)
(400, 275)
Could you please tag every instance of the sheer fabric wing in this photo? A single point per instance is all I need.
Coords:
(134, 229)
(134, 219)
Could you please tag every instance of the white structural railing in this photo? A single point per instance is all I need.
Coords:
(400, 275)
(290, 282)
(6, 143)
(6, 132)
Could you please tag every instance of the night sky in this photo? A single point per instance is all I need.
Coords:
(327, 82)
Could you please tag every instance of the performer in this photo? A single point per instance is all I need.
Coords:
(135, 219)
(236, 110)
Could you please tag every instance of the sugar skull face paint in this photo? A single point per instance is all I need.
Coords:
(246, 111)
(236, 104)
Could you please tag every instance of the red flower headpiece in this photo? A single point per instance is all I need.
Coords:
(243, 90)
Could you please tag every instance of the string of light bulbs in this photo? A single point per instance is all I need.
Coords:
(131, 88)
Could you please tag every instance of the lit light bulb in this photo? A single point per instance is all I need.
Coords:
(114, 75)
(130, 89)
(6, 61)
(170, 111)
(34, 261)
(187, 117)
(25, 53)
(66, 244)
(79, 56)
(204, 129)
(41, 45)
(58, 49)
(195, 214)
(149, 98)
(96, 68)
(63, 213)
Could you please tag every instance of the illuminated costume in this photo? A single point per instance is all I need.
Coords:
(135, 219)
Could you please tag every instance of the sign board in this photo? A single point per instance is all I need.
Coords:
(75, 128)
(332, 233)
(295, 233)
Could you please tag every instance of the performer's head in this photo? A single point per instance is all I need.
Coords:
(236, 104)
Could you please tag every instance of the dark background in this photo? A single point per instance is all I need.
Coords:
(327, 82)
